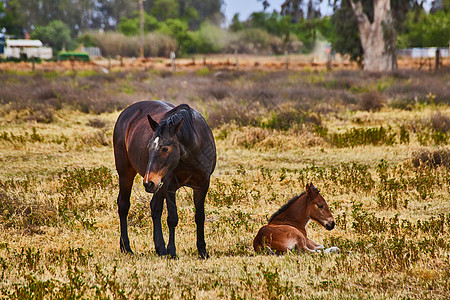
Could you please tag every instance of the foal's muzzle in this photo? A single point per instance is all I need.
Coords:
(330, 225)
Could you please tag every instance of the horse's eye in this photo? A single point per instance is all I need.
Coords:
(165, 149)
(320, 206)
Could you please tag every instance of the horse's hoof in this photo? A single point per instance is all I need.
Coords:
(127, 251)
(161, 252)
(203, 255)
(172, 256)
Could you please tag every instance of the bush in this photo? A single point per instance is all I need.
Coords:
(56, 34)
(208, 39)
(259, 41)
(431, 157)
(371, 101)
(362, 136)
(113, 44)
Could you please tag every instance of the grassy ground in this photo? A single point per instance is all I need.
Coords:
(375, 145)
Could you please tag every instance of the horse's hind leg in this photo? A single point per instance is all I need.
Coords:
(199, 201)
(123, 203)
(172, 220)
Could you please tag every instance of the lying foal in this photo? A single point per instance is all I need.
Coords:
(287, 227)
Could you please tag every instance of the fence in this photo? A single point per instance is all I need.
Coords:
(423, 52)
(92, 51)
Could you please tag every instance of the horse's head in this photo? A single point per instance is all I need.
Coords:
(318, 208)
(164, 152)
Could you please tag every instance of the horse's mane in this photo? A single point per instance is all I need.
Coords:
(285, 206)
(187, 130)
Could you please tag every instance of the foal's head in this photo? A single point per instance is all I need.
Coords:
(317, 208)
(164, 152)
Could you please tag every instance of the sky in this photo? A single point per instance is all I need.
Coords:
(246, 7)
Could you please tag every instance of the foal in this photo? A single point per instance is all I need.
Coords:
(287, 227)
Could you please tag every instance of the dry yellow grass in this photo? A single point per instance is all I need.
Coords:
(60, 230)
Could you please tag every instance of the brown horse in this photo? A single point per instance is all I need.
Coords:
(287, 227)
(169, 147)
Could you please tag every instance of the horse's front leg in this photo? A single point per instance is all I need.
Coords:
(172, 220)
(157, 207)
(199, 201)
(123, 204)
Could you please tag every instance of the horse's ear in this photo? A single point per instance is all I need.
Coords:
(153, 123)
(309, 189)
(176, 127)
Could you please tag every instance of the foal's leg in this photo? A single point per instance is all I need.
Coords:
(157, 207)
(301, 245)
(172, 220)
(199, 202)
(313, 245)
(123, 204)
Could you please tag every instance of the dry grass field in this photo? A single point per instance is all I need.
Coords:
(376, 145)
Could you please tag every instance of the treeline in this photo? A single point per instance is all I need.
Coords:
(83, 15)
(196, 26)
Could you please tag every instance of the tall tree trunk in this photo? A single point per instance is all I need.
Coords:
(377, 37)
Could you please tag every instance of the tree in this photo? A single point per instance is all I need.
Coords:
(10, 18)
(376, 21)
(425, 30)
(165, 9)
(377, 36)
(56, 34)
(346, 40)
(195, 12)
(236, 24)
(177, 29)
(130, 26)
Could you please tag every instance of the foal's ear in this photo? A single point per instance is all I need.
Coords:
(176, 127)
(153, 123)
(309, 189)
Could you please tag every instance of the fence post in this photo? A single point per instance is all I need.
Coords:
(329, 58)
(287, 59)
(438, 54)
(172, 59)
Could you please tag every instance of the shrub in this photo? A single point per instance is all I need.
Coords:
(431, 157)
(208, 39)
(371, 101)
(362, 136)
(113, 44)
(20, 213)
(259, 41)
(439, 122)
(56, 34)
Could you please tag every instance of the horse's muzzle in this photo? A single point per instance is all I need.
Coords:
(330, 226)
(151, 187)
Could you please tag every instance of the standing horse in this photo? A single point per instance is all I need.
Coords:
(287, 227)
(169, 147)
